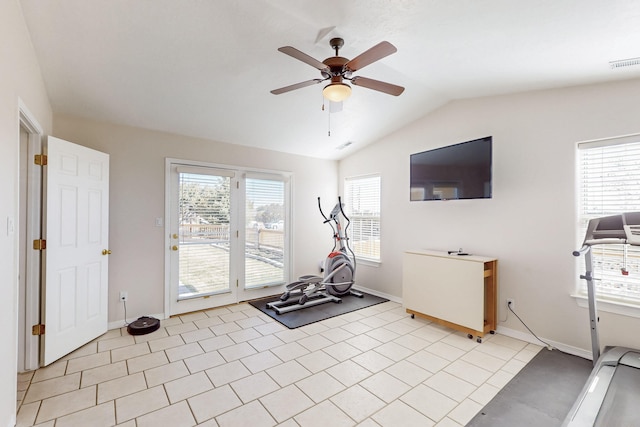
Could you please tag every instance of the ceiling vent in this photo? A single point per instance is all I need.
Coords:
(624, 63)
(343, 146)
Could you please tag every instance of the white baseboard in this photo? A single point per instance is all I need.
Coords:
(523, 336)
(120, 323)
(378, 294)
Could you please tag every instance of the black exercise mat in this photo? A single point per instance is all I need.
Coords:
(316, 313)
(540, 395)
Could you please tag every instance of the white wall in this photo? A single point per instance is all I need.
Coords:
(529, 224)
(20, 80)
(137, 185)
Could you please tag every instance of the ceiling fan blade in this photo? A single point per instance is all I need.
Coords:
(296, 86)
(370, 56)
(301, 56)
(378, 85)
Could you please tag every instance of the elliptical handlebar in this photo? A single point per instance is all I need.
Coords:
(346, 227)
(321, 212)
(326, 220)
(342, 211)
(333, 216)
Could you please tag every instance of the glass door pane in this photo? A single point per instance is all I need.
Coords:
(204, 229)
(202, 239)
(265, 233)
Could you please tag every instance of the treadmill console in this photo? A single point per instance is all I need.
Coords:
(622, 228)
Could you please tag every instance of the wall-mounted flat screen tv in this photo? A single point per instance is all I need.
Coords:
(460, 171)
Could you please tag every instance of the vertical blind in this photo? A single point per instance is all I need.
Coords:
(609, 184)
(362, 200)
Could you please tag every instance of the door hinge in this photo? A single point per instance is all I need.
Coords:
(39, 244)
(40, 159)
(237, 233)
(237, 283)
(37, 330)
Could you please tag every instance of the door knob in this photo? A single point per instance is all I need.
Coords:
(175, 236)
(106, 252)
(174, 247)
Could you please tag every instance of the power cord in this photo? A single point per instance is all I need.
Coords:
(549, 346)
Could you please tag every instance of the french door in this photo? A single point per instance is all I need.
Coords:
(227, 235)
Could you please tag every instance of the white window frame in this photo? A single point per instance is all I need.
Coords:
(367, 258)
(598, 197)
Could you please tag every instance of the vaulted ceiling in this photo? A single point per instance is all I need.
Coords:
(205, 68)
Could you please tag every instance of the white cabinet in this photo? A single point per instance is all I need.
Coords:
(458, 291)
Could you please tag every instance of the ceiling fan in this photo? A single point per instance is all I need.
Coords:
(337, 69)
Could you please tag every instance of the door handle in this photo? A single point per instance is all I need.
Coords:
(106, 252)
(174, 248)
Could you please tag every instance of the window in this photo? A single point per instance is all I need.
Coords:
(609, 184)
(362, 203)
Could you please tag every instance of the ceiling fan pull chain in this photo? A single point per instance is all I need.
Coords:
(329, 132)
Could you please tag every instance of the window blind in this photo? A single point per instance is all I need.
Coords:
(204, 216)
(362, 202)
(265, 231)
(204, 199)
(609, 184)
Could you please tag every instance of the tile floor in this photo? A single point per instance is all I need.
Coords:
(235, 366)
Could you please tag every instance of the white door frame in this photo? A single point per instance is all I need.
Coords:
(29, 355)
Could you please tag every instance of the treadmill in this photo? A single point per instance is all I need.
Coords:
(611, 395)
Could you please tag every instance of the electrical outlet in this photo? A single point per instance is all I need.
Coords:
(511, 303)
(123, 296)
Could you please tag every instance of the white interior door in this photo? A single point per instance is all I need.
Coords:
(76, 215)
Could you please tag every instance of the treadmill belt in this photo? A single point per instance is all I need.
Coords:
(620, 405)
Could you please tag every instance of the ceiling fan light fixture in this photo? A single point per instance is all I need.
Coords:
(336, 92)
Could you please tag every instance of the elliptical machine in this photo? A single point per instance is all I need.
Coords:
(339, 272)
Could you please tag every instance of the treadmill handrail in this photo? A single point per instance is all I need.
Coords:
(582, 250)
(606, 241)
